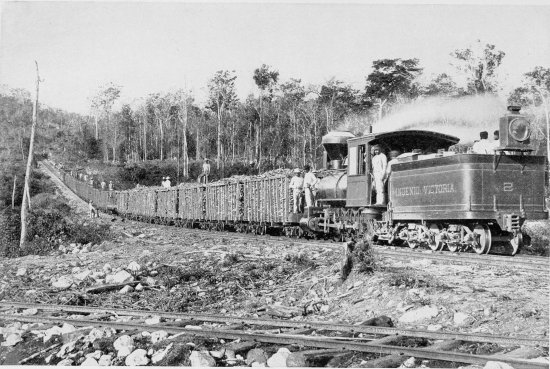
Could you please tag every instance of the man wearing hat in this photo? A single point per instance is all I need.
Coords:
(310, 185)
(167, 183)
(297, 185)
(379, 166)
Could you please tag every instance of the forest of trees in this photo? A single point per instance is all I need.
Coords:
(279, 126)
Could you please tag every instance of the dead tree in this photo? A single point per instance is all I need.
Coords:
(26, 196)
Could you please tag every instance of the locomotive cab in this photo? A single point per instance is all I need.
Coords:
(360, 177)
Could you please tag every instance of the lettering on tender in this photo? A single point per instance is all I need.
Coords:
(433, 189)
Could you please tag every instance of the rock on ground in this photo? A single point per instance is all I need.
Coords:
(137, 358)
(201, 358)
(124, 345)
(424, 313)
(279, 358)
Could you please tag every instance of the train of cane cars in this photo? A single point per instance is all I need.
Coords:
(438, 199)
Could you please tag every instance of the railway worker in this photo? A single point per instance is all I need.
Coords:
(310, 185)
(483, 146)
(496, 140)
(167, 183)
(379, 166)
(297, 185)
(206, 169)
(110, 185)
(93, 213)
(103, 184)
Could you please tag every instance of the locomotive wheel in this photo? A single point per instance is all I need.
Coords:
(484, 244)
(435, 243)
(516, 243)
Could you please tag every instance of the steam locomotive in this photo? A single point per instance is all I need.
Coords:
(438, 199)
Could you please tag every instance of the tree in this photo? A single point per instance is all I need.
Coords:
(221, 97)
(26, 194)
(479, 64)
(391, 78)
(265, 79)
(535, 91)
(183, 100)
(441, 85)
(338, 99)
(102, 103)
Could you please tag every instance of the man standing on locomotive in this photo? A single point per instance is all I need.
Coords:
(379, 166)
(297, 185)
(310, 185)
(483, 146)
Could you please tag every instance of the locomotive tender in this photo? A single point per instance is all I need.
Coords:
(437, 199)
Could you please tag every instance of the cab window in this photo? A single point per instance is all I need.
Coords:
(352, 161)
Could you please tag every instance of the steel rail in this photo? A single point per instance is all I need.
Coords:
(289, 324)
(287, 339)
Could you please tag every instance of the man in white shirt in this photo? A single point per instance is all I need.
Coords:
(379, 166)
(483, 146)
(167, 183)
(310, 185)
(297, 185)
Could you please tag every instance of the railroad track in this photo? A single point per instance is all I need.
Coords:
(339, 338)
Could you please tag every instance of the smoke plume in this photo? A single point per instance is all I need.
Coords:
(462, 117)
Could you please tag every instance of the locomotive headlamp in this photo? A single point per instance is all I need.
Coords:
(519, 129)
(515, 132)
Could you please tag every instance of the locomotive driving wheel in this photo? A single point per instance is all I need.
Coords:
(482, 245)
(434, 241)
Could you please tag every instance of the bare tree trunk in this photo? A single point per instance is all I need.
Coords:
(185, 154)
(145, 139)
(114, 143)
(197, 148)
(26, 195)
(219, 145)
(21, 144)
(13, 193)
(161, 139)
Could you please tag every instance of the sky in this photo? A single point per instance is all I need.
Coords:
(149, 47)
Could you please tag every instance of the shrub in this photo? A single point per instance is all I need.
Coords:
(10, 231)
(363, 257)
(85, 232)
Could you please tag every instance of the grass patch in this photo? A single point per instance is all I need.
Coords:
(537, 237)
(411, 278)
